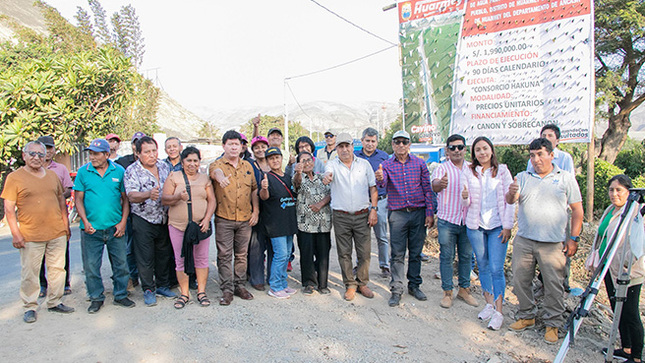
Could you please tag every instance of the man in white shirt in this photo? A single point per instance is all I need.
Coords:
(354, 199)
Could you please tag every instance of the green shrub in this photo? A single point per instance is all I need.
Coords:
(632, 160)
(603, 171)
(514, 156)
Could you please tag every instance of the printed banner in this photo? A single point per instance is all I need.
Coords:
(522, 64)
(429, 33)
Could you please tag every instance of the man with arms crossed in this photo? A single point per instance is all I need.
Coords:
(375, 157)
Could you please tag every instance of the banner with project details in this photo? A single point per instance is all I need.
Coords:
(522, 64)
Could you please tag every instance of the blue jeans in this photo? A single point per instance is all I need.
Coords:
(92, 253)
(131, 260)
(407, 232)
(491, 255)
(451, 236)
(281, 250)
(380, 230)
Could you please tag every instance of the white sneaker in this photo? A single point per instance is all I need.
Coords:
(496, 321)
(486, 313)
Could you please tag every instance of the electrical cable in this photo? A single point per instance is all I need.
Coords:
(297, 103)
(353, 24)
(342, 64)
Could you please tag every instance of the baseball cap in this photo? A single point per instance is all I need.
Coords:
(244, 139)
(47, 140)
(99, 145)
(401, 133)
(272, 151)
(331, 132)
(113, 136)
(137, 135)
(274, 129)
(259, 139)
(344, 137)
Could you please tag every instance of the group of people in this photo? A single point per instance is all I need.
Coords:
(147, 210)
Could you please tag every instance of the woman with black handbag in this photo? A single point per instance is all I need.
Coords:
(191, 199)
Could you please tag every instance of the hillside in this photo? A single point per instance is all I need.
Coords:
(317, 116)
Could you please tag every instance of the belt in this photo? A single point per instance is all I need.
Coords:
(409, 209)
(362, 211)
(381, 197)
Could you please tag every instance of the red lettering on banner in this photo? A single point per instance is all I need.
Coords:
(419, 9)
(482, 17)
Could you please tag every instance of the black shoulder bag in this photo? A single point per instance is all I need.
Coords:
(193, 234)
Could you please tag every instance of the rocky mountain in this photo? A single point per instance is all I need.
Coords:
(315, 116)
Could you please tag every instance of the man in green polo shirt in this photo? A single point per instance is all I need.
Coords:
(103, 207)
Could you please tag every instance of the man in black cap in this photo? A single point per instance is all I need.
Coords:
(329, 151)
(63, 175)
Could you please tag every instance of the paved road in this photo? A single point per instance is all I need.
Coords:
(10, 265)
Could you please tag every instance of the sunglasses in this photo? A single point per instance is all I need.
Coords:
(399, 142)
(329, 136)
(34, 154)
(456, 147)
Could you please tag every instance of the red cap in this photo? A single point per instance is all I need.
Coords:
(113, 136)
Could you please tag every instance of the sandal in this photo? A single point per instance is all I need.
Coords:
(203, 299)
(181, 301)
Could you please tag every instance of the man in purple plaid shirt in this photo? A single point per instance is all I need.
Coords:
(410, 205)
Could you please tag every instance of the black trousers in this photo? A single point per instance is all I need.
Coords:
(314, 258)
(630, 325)
(153, 252)
(43, 273)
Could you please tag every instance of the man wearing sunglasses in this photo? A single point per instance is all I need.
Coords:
(37, 216)
(329, 151)
(451, 218)
(407, 181)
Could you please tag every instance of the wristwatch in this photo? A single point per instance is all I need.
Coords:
(575, 239)
(373, 208)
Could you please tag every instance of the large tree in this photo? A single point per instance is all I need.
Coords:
(620, 54)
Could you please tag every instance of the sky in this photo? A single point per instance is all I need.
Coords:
(229, 54)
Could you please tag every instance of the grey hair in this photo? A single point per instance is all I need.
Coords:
(26, 147)
(370, 132)
(172, 138)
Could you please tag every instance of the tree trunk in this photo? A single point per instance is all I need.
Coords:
(614, 138)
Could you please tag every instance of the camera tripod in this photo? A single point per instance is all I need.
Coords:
(581, 311)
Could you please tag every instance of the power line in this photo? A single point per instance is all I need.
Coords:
(297, 103)
(342, 64)
(353, 24)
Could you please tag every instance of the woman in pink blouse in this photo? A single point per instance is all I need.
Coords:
(489, 221)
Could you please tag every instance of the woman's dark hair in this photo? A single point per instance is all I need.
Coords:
(304, 153)
(622, 179)
(307, 140)
(145, 140)
(191, 150)
(494, 164)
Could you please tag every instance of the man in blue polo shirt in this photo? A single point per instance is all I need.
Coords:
(375, 157)
(103, 208)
